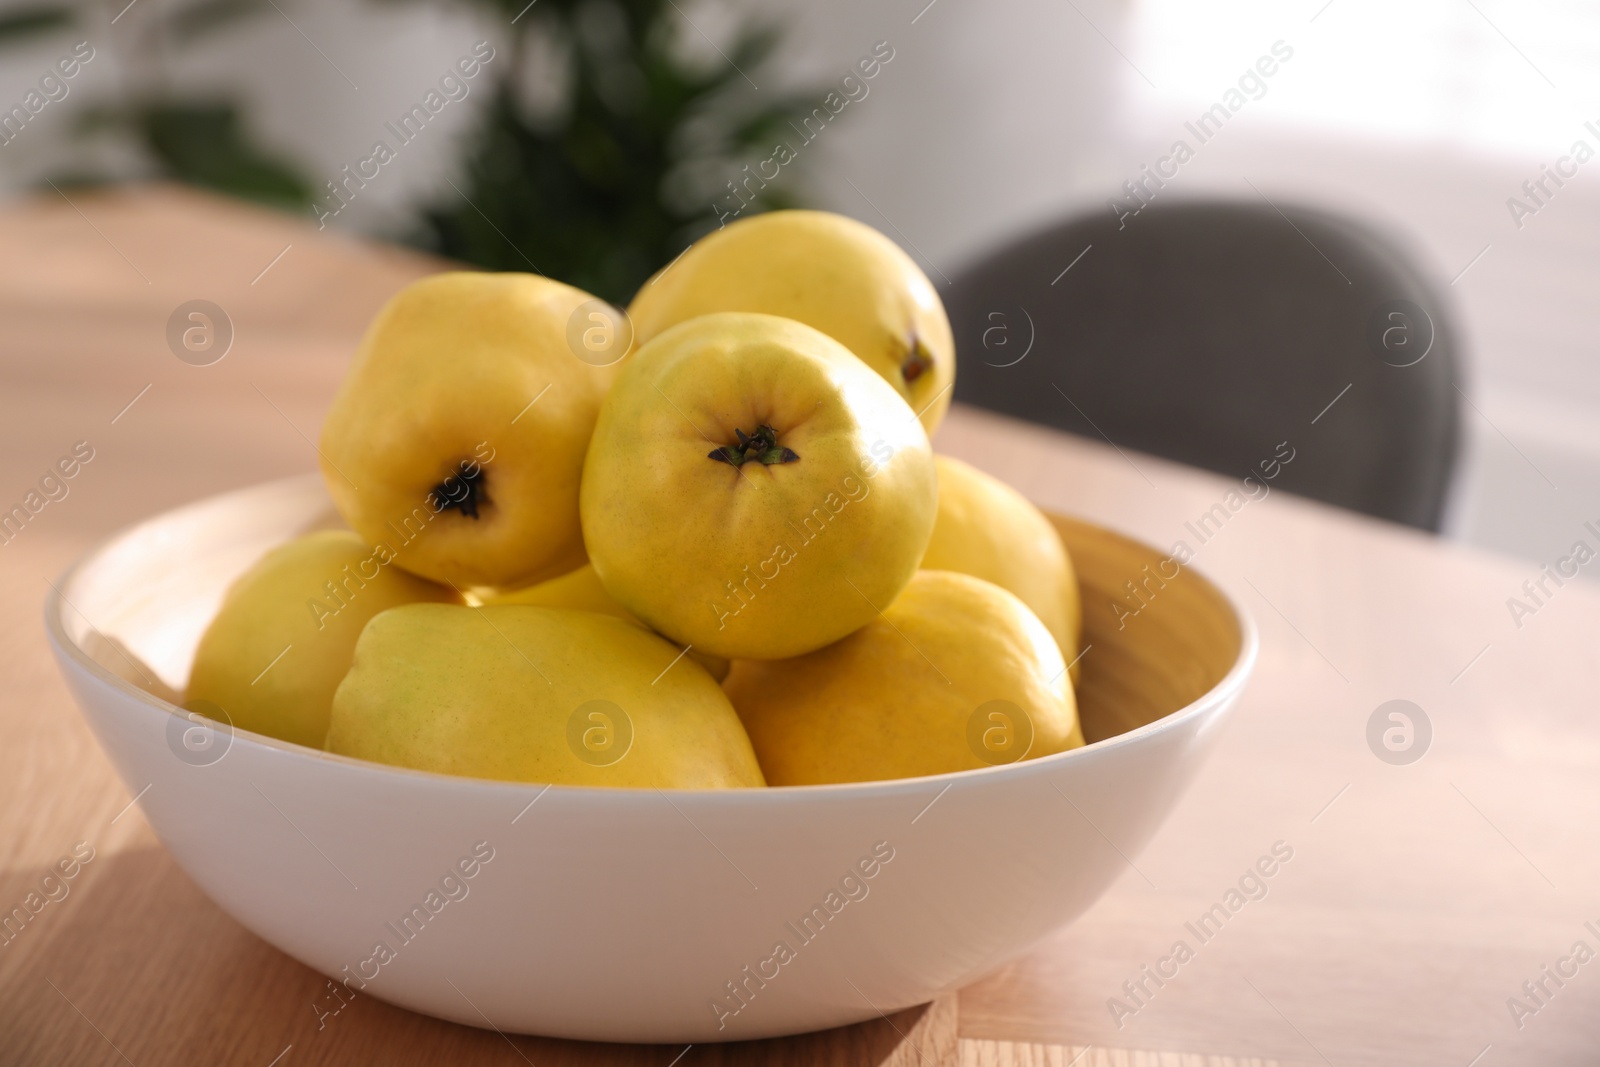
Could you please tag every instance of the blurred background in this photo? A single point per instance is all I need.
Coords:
(601, 137)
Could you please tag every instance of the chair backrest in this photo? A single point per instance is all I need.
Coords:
(1212, 331)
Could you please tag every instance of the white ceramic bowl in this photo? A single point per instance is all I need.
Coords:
(625, 915)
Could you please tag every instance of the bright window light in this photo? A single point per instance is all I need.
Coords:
(1482, 74)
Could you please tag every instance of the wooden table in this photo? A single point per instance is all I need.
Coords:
(1418, 900)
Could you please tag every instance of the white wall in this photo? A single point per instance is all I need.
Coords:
(993, 117)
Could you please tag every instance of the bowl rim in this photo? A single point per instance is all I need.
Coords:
(1221, 693)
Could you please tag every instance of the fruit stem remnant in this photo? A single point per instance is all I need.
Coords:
(918, 361)
(760, 447)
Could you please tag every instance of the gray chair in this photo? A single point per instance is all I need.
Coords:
(1210, 331)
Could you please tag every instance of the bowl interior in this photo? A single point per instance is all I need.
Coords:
(1153, 649)
(138, 605)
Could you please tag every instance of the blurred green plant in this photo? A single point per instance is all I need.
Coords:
(202, 140)
(615, 176)
(599, 179)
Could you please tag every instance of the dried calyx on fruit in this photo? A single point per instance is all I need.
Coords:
(760, 447)
(464, 492)
(918, 360)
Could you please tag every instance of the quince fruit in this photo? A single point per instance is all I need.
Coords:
(459, 433)
(530, 694)
(830, 272)
(283, 639)
(753, 490)
(581, 590)
(956, 675)
(989, 530)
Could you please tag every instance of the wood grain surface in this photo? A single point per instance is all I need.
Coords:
(1024, 1054)
(1418, 900)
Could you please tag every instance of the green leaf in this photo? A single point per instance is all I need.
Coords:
(34, 22)
(205, 143)
(99, 118)
(755, 45)
(71, 180)
(770, 124)
(207, 16)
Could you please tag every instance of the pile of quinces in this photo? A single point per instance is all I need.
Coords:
(703, 544)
